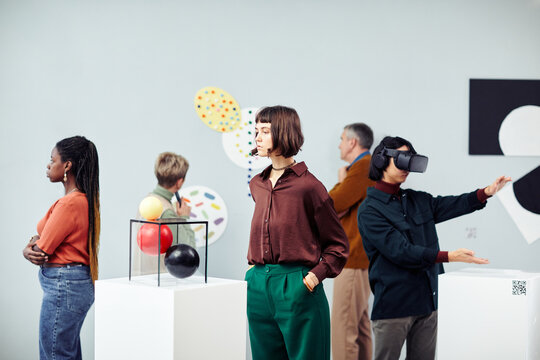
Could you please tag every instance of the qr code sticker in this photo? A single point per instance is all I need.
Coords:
(519, 287)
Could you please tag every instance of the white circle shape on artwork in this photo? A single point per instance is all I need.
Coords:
(239, 142)
(519, 134)
(206, 205)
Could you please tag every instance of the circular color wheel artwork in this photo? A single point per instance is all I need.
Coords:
(217, 109)
(206, 205)
(239, 143)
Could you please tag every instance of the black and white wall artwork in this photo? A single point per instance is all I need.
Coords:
(504, 119)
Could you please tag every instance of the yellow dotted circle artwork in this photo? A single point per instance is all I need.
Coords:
(217, 109)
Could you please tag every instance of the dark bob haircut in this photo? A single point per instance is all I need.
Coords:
(286, 131)
(389, 142)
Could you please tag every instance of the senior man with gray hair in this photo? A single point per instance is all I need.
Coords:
(351, 327)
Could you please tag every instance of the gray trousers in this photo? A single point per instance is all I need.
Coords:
(419, 331)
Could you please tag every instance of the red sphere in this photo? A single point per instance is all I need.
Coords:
(147, 238)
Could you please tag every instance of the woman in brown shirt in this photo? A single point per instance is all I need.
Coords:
(296, 241)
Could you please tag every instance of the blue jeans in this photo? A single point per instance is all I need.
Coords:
(68, 294)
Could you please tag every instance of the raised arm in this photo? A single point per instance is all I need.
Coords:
(449, 207)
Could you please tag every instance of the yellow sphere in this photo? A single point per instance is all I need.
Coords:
(150, 208)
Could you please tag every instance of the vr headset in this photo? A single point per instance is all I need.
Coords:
(405, 160)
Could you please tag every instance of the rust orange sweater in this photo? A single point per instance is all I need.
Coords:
(347, 196)
(64, 230)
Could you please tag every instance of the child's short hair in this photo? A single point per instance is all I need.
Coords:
(170, 168)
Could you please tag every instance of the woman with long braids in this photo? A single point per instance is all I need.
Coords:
(66, 248)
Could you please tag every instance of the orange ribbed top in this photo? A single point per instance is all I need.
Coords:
(63, 230)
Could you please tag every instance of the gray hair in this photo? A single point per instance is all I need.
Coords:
(361, 132)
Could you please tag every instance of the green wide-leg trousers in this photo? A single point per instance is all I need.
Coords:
(286, 321)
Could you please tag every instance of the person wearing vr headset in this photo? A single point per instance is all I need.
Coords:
(399, 236)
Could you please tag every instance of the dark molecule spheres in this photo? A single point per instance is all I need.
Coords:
(181, 260)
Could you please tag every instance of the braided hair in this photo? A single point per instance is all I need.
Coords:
(84, 159)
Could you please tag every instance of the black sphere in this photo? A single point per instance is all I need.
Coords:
(181, 260)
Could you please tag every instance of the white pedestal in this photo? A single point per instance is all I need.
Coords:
(481, 316)
(181, 319)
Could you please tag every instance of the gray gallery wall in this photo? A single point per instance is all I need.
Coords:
(124, 73)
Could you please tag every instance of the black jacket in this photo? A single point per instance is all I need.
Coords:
(401, 242)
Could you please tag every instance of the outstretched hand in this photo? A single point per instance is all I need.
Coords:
(466, 256)
(497, 185)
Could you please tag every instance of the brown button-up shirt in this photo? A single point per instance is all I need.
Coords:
(295, 223)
